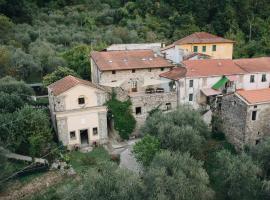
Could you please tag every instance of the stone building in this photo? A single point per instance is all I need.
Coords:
(135, 74)
(78, 112)
(246, 116)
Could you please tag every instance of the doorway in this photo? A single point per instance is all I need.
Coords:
(84, 137)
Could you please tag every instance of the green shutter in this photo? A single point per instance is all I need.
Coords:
(204, 49)
(220, 83)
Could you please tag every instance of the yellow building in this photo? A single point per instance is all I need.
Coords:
(206, 43)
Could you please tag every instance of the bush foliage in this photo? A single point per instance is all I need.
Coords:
(122, 116)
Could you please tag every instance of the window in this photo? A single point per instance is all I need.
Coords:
(133, 71)
(190, 97)
(149, 70)
(214, 47)
(254, 115)
(81, 100)
(257, 142)
(134, 86)
(168, 106)
(138, 110)
(113, 72)
(204, 49)
(95, 131)
(264, 78)
(195, 49)
(252, 78)
(190, 83)
(255, 106)
(162, 69)
(72, 135)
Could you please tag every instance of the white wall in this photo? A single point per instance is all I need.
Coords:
(258, 84)
(175, 54)
(243, 82)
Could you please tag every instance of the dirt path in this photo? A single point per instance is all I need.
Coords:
(19, 191)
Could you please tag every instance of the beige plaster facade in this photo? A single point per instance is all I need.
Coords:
(80, 124)
(222, 50)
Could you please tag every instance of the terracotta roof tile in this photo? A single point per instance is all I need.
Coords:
(129, 59)
(205, 68)
(68, 82)
(254, 64)
(175, 73)
(255, 96)
(202, 37)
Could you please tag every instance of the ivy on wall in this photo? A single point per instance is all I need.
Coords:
(124, 122)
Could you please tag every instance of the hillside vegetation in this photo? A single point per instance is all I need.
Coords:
(37, 36)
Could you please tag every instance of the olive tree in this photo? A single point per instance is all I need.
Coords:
(177, 176)
(236, 176)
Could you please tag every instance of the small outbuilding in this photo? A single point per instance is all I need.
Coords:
(246, 116)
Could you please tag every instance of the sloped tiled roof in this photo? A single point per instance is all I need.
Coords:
(251, 65)
(202, 37)
(255, 96)
(129, 59)
(69, 82)
(205, 68)
(175, 73)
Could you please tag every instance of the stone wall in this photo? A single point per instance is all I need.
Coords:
(148, 102)
(129, 77)
(234, 115)
(103, 129)
(258, 129)
(237, 121)
(63, 131)
(59, 103)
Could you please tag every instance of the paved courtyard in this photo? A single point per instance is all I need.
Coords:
(127, 159)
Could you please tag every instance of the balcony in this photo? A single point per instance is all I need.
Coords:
(152, 92)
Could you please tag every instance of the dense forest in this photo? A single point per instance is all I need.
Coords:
(37, 36)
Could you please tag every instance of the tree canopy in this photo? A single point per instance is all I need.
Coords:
(182, 130)
(177, 176)
(58, 74)
(41, 32)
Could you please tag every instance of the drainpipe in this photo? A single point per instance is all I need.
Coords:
(177, 92)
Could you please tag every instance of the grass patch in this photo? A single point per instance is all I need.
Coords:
(82, 161)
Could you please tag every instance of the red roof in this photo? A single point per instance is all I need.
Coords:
(205, 68)
(175, 73)
(128, 59)
(254, 64)
(68, 82)
(255, 96)
(202, 37)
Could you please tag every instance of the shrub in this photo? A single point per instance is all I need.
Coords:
(146, 149)
(122, 116)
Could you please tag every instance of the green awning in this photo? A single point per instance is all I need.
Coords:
(220, 83)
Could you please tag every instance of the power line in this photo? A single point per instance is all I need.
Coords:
(14, 120)
(15, 173)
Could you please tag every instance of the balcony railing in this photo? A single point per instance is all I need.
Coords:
(151, 91)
